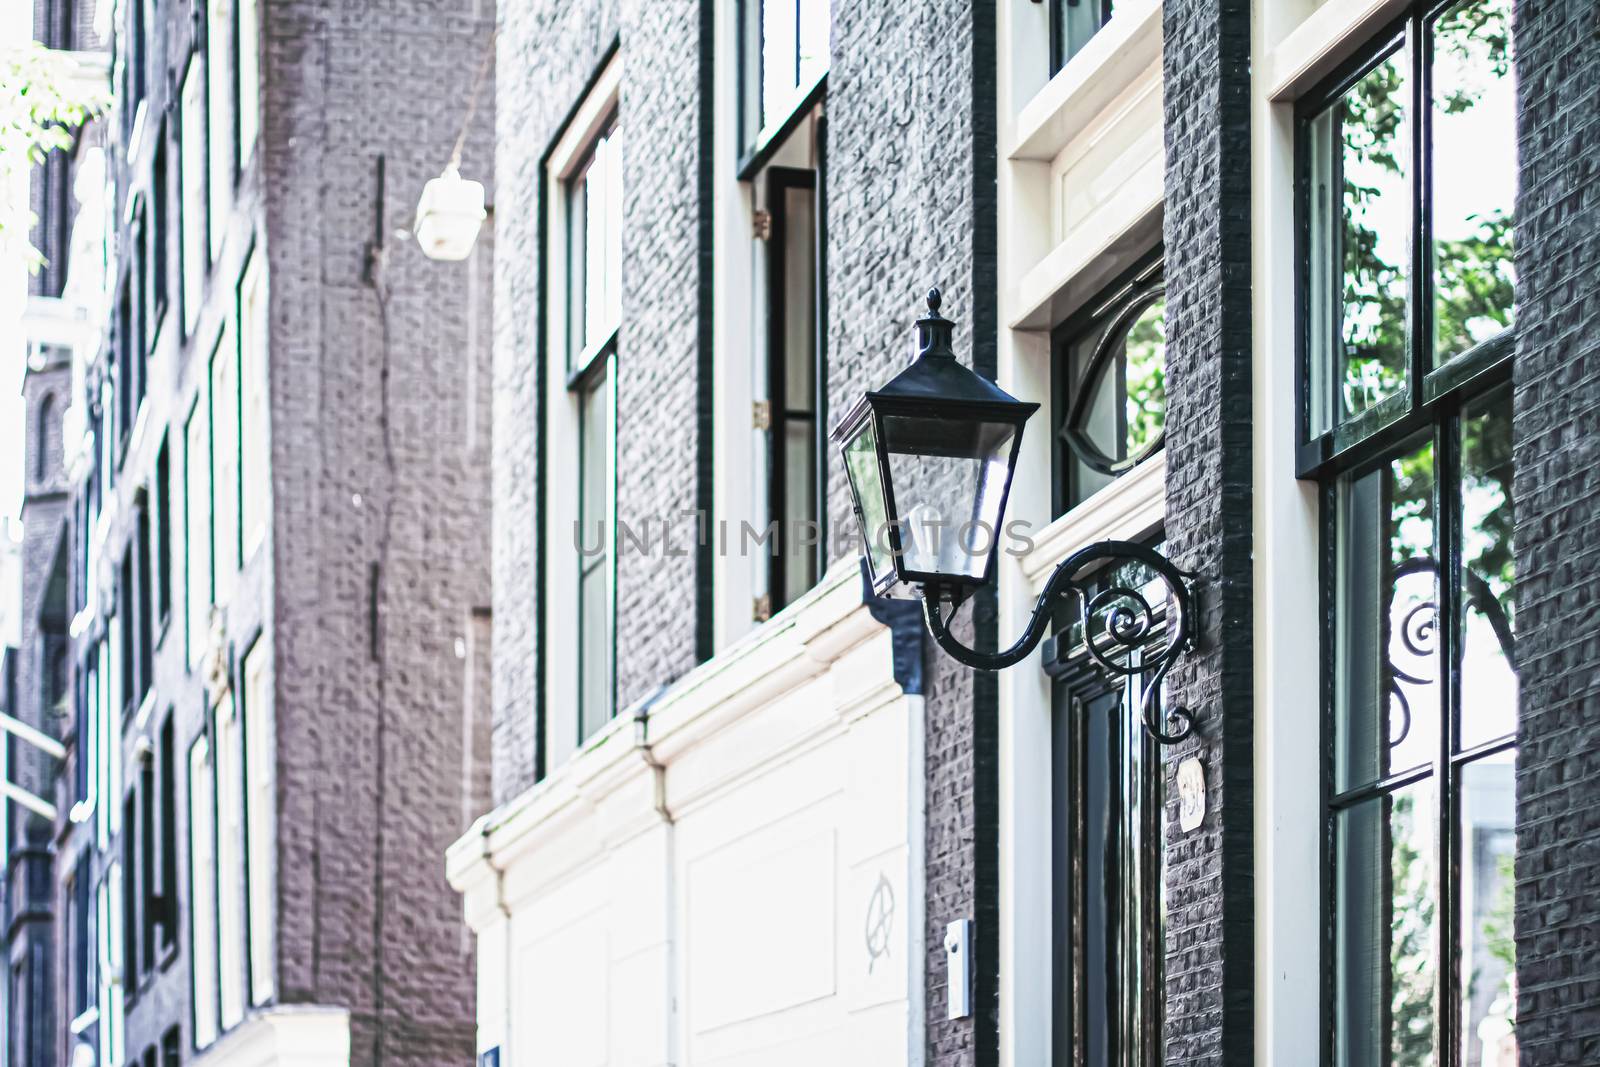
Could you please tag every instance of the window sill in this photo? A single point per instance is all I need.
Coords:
(769, 140)
(1110, 62)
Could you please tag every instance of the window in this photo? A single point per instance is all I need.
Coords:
(202, 893)
(126, 383)
(130, 896)
(230, 865)
(1405, 295)
(139, 281)
(225, 461)
(149, 904)
(249, 79)
(167, 909)
(125, 626)
(82, 900)
(1109, 903)
(112, 975)
(171, 1053)
(159, 207)
(255, 465)
(1406, 338)
(191, 181)
(593, 279)
(1110, 378)
(789, 413)
(1072, 23)
(163, 541)
(783, 58)
(146, 608)
(42, 435)
(258, 782)
(220, 144)
(197, 534)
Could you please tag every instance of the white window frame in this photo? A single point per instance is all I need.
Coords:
(559, 598)
(202, 893)
(257, 672)
(220, 127)
(227, 765)
(193, 244)
(255, 501)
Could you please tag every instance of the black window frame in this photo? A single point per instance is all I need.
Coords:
(1430, 406)
(1125, 296)
(1408, 412)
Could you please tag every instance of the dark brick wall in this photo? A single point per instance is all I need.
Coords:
(380, 469)
(911, 204)
(1206, 64)
(1556, 430)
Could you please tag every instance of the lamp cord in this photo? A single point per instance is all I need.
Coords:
(472, 101)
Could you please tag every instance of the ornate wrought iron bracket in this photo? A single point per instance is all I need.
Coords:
(1124, 617)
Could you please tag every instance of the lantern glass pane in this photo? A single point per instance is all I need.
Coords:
(949, 479)
(866, 482)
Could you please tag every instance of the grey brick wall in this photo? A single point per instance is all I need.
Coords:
(1206, 96)
(910, 205)
(380, 453)
(1556, 427)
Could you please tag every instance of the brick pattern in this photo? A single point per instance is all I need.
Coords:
(910, 205)
(1556, 427)
(1207, 235)
(380, 452)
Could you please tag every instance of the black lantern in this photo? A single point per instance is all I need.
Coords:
(930, 458)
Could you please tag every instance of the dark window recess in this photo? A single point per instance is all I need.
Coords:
(82, 947)
(164, 532)
(80, 737)
(1109, 375)
(146, 609)
(171, 1048)
(1107, 853)
(783, 55)
(124, 384)
(790, 412)
(160, 208)
(127, 610)
(1072, 23)
(167, 911)
(149, 904)
(150, 1057)
(140, 279)
(1405, 339)
(130, 895)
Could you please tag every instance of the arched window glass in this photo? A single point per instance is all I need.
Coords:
(1110, 369)
(42, 437)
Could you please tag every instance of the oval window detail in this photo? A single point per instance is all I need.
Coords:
(1118, 414)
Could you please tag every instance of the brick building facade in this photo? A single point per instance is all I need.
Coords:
(261, 544)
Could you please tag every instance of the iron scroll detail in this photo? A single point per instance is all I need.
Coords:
(1119, 623)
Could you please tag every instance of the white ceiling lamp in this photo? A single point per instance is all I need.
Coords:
(451, 211)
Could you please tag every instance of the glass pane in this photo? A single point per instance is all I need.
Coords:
(948, 480)
(594, 447)
(595, 535)
(780, 56)
(787, 50)
(577, 254)
(799, 486)
(1127, 406)
(594, 652)
(799, 300)
(1474, 133)
(1487, 842)
(1386, 899)
(866, 483)
(1488, 674)
(1360, 220)
(1076, 22)
(1386, 676)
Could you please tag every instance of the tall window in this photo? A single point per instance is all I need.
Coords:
(221, 146)
(163, 536)
(256, 498)
(225, 461)
(145, 635)
(783, 58)
(122, 329)
(82, 898)
(258, 784)
(197, 521)
(1110, 379)
(230, 865)
(193, 243)
(1107, 849)
(249, 79)
(1406, 338)
(1072, 23)
(593, 212)
(167, 911)
(160, 206)
(202, 892)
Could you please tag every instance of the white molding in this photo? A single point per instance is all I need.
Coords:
(1321, 42)
(1126, 510)
(592, 113)
(312, 1036)
(1086, 86)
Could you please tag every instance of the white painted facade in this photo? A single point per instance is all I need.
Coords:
(734, 878)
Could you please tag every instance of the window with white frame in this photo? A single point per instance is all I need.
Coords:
(224, 396)
(193, 244)
(202, 893)
(249, 67)
(230, 865)
(258, 783)
(255, 488)
(584, 196)
(197, 527)
(220, 142)
(783, 58)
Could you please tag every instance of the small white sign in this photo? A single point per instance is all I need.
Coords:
(1191, 794)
